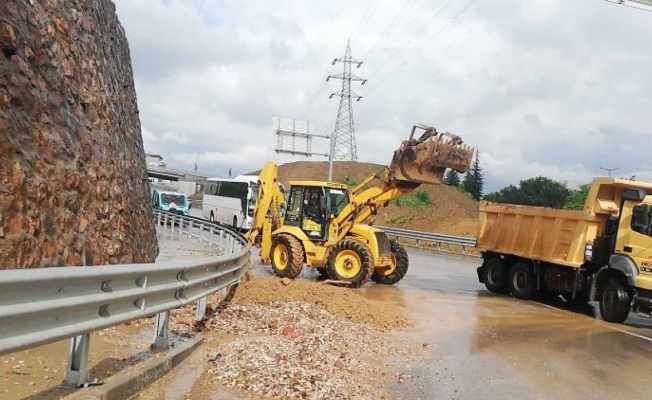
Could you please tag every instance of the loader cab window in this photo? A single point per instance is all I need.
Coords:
(313, 216)
(336, 200)
(293, 211)
(307, 209)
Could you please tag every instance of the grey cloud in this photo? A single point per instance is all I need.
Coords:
(551, 85)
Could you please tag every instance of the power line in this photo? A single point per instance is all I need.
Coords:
(389, 27)
(365, 19)
(380, 81)
(310, 104)
(404, 46)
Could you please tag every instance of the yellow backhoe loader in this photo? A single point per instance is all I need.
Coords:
(329, 227)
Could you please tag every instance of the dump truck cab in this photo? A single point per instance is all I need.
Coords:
(630, 258)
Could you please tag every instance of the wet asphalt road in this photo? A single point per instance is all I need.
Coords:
(487, 346)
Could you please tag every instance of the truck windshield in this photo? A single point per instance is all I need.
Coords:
(178, 199)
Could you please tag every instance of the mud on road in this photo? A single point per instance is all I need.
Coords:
(302, 339)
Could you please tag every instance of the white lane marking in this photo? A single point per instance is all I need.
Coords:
(603, 323)
(629, 333)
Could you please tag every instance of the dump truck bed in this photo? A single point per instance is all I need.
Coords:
(543, 234)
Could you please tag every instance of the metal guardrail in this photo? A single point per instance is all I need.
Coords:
(463, 242)
(44, 305)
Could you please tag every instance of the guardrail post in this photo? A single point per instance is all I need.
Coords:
(77, 373)
(201, 308)
(161, 335)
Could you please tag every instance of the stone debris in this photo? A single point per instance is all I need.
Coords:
(295, 350)
(300, 341)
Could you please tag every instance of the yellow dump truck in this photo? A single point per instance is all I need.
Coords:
(603, 252)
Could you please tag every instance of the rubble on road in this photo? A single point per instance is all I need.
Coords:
(301, 341)
(296, 350)
(343, 302)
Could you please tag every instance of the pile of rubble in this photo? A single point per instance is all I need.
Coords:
(301, 340)
(296, 350)
(343, 302)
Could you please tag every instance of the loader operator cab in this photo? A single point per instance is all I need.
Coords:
(312, 205)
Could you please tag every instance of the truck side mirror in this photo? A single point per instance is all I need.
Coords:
(634, 194)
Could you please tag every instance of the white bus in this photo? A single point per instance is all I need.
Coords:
(231, 201)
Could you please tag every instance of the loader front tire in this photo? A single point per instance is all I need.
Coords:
(287, 256)
(350, 261)
(400, 261)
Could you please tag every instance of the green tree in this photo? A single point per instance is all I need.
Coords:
(577, 198)
(539, 191)
(474, 179)
(452, 178)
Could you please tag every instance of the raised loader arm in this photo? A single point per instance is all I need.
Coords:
(417, 161)
(267, 212)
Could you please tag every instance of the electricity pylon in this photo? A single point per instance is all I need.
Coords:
(343, 145)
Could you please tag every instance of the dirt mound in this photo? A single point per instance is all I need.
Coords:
(451, 212)
(343, 302)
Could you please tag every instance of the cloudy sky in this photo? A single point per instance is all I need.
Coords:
(540, 87)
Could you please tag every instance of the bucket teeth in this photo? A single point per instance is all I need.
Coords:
(426, 159)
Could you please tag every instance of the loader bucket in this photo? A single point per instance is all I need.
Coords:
(426, 159)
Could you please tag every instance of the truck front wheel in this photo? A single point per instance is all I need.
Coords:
(521, 281)
(615, 301)
(495, 276)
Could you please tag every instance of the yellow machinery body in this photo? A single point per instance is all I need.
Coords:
(328, 226)
(602, 252)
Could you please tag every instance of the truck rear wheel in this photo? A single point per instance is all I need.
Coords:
(400, 263)
(615, 301)
(521, 281)
(495, 276)
(350, 261)
(287, 256)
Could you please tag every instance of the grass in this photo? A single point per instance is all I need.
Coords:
(416, 200)
(350, 182)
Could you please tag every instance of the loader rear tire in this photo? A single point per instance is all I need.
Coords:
(401, 262)
(287, 256)
(350, 261)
